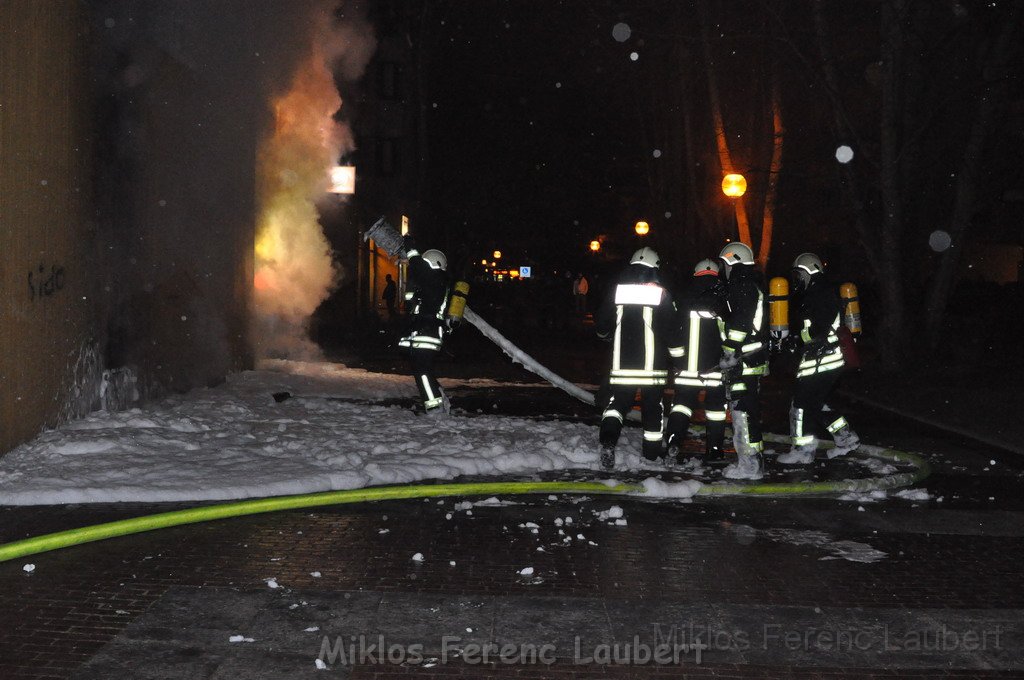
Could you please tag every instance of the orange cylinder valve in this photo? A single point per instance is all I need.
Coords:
(851, 308)
(778, 307)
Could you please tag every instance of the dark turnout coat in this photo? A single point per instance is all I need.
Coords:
(700, 318)
(819, 313)
(638, 317)
(427, 297)
(745, 327)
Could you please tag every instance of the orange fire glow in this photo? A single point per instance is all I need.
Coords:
(293, 268)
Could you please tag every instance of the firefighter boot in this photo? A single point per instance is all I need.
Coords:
(715, 442)
(747, 466)
(672, 450)
(611, 426)
(803, 446)
(748, 463)
(607, 456)
(653, 449)
(676, 430)
(800, 454)
(846, 440)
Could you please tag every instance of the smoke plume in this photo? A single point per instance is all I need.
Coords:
(294, 266)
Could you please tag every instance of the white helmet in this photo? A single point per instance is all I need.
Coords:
(436, 259)
(809, 262)
(706, 267)
(647, 257)
(737, 252)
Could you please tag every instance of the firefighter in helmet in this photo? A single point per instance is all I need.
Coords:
(638, 318)
(696, 362)
(744, 356)
(819, 313)
(427, 297)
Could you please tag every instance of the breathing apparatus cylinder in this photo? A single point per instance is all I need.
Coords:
(778, 308)
(457, 304)
(851, 308)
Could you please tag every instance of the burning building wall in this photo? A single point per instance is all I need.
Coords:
(134, 186)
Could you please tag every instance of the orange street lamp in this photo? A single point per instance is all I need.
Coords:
(595, 246)
(497, 254)
(642, 228)
(734, 185)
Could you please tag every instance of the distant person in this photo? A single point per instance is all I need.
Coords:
(638, 317)
(819, 313)
(389, 295)
(744, 357)
(701, 309)
(427, 298)
(580, 288)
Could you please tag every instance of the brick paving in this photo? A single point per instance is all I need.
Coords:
(77, 600)
(161, 605)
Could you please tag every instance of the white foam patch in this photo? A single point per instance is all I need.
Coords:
(235, 441)
(683, 489)
(851, 551)
(913, 495)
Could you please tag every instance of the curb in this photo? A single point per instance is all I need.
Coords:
(934, 422)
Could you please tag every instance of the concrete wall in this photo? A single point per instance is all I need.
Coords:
(49, 359)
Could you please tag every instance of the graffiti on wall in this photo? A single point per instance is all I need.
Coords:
(43, 283)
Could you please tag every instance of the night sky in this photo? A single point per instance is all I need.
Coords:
(545, 130)
(535, 126)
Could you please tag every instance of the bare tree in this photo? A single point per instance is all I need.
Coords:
(992, 95)
(774, 170)
(765, 118)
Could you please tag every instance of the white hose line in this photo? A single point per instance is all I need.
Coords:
(525, 360)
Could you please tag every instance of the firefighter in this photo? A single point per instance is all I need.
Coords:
(744, 357)
(427, 298)
(700, 313)
(638, 318)
(819, 313)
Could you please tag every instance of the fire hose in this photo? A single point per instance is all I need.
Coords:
(73, 537)
(525, 360)
(98, 532)
(125, 527)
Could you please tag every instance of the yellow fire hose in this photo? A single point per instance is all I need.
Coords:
(99, 532)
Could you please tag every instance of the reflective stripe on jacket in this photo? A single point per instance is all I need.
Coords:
(428, 298)
(638, 316)
(820, 312)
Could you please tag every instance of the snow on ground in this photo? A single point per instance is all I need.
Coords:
(234, 441)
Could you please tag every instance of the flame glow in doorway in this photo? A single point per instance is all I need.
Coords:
(294, 270)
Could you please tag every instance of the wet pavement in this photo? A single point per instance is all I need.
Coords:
(546, 587)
